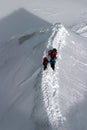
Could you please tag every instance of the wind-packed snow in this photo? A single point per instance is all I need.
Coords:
(34, 99)
(80, 29)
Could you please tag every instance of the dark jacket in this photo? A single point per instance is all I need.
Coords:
(52, 61)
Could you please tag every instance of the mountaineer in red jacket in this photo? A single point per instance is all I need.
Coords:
(45, 62)
(53, 55)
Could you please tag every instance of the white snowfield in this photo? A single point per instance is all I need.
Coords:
(34, 99)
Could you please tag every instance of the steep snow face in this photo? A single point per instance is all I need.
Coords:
(73, 82)
(20, 63)
(33, 99)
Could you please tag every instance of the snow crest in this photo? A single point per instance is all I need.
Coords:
(49, 84)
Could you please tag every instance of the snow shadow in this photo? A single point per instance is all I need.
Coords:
(19, 22)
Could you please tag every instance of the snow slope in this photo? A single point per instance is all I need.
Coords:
(19, 67)
(80, 29)
(33, 99)
(81, 26)
(73, 82)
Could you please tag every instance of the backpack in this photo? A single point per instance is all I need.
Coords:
(45, 60)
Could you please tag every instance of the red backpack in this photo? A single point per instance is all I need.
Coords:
(53, 54)
(45, 60)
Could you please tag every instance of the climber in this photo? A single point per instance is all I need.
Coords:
(45, 62)
(53, 55)
(50, 52)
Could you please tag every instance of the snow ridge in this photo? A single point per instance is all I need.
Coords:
(50, 85)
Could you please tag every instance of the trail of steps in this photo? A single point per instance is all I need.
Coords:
(49, 81)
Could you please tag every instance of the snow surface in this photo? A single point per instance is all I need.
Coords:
(33, 99)
(80, 29)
